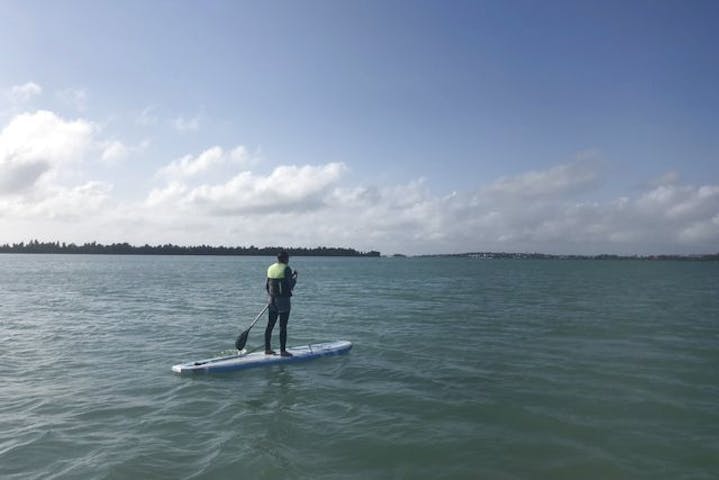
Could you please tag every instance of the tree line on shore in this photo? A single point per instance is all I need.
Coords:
(35, 246)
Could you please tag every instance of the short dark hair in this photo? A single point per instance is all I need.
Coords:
(282, 255)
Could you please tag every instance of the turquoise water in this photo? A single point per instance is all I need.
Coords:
(497, 369)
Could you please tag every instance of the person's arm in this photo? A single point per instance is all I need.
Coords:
(291, 278)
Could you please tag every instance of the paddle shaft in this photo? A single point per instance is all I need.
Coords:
(258, 316)
(242, 338)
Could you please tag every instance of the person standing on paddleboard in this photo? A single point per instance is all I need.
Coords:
(280, 282)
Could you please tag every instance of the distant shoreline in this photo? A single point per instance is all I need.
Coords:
(544, 256)
(94, 248)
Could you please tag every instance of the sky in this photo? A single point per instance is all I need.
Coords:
(415, 127)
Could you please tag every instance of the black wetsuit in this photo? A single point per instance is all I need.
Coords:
(280, 291)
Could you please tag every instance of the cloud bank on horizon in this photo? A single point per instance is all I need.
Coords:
(57, 183)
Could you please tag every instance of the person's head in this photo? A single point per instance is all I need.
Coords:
(283, 257)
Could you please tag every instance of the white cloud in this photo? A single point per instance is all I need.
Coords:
(59, 202)
(211, 159)
(409, 218)
(670, 218)
(172, 194)
(34, 145)
(23, 93)
(558, 180)
(286, 188)
(216, 197)
(79, 201)
(703, 231)
(114, 151)
(189, 166)
(239, 155)
(182, 124)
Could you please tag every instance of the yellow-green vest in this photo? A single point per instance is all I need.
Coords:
(276, 271)
(277, 284)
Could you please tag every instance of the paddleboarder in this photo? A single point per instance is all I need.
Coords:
(280, 282)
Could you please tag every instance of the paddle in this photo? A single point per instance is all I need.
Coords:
(242, 338)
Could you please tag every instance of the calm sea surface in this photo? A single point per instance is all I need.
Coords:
(461, 369)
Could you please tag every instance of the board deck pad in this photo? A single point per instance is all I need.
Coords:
(257, 359)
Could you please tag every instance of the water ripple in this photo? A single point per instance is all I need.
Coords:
(521, 370)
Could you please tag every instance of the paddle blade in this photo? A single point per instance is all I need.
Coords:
(241, 340)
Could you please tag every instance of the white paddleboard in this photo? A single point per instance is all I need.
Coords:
(257, 359)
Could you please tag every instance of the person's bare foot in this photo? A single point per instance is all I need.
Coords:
(270, 352)
(285, 353)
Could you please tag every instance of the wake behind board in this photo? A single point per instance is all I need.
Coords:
(258, 359)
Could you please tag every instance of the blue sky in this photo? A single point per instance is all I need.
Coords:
(416, 127)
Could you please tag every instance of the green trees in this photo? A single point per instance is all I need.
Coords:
(34, 246)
